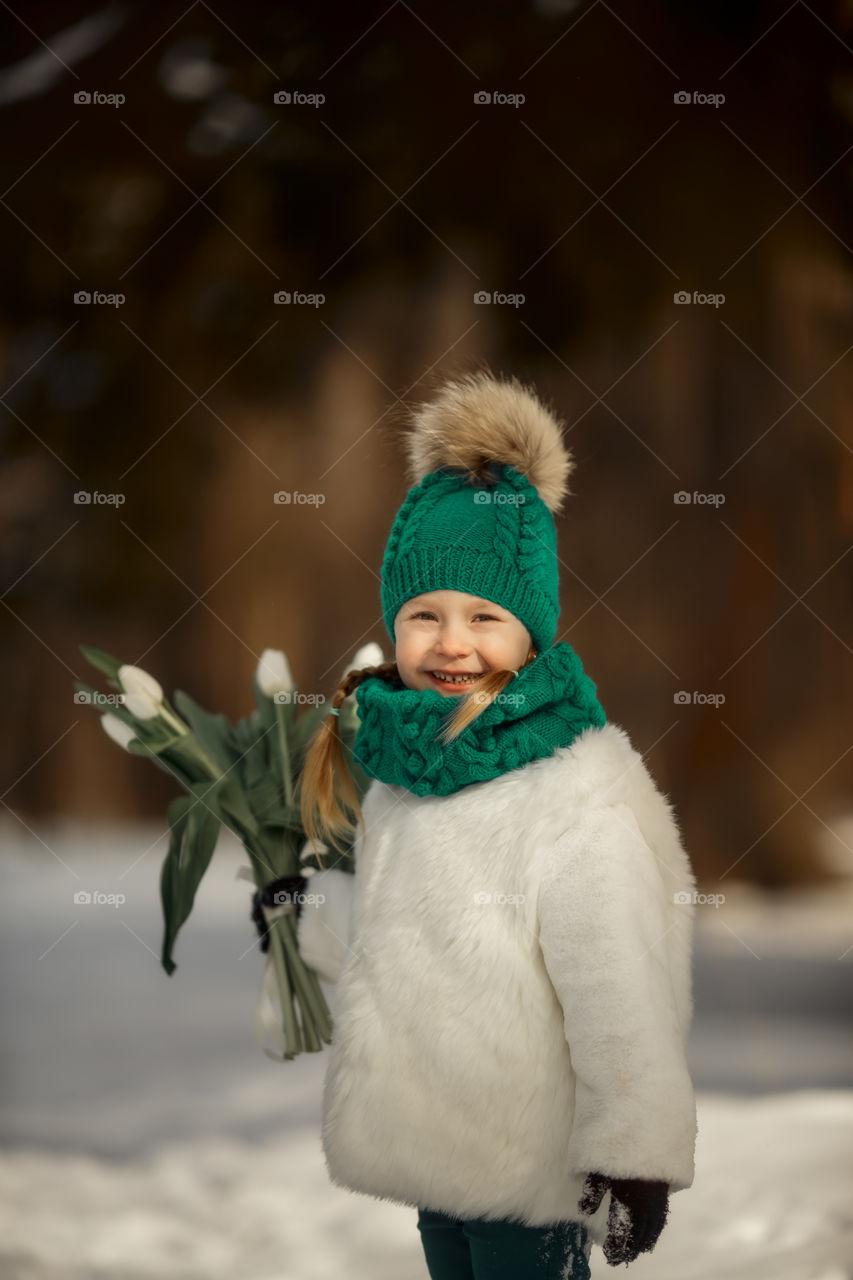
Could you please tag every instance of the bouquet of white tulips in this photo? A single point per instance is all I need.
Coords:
(243, 776)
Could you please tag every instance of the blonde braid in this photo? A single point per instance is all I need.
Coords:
(474, 703)
(328, 799)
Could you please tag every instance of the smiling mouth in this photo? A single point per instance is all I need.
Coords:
(463, 678)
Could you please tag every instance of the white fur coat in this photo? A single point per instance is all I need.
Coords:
(513, 969)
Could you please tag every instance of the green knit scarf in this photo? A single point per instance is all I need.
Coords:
(544, 707)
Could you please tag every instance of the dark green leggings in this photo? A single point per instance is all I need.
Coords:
(479, 1249)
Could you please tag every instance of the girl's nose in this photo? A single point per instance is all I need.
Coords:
(453, 641)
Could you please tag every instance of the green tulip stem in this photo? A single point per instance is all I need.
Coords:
(191, 746)
(285, 754)
(171, 717)
(315, 1010)
(187, 741)
(292, 1037)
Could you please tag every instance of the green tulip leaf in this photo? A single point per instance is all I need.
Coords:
(255, 764)
(103, 661)
(263, 797)
(284, 816)
(242, 735)
(195, 829)
(232, 802)
(179, 770)
(212, 731)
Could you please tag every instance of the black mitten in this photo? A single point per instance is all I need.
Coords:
(638, 1211)
(271, 896)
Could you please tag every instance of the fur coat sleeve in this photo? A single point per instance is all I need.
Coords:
(323, 928)
(606, 908)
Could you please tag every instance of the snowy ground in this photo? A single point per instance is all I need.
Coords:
(145, 1134)
(773, 1198)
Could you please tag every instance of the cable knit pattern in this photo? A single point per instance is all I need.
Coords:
(494, 538)
(546, 706)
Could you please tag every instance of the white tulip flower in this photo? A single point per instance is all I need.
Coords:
(143, 694)
(369, 655)
(273, 673)
(117, 729)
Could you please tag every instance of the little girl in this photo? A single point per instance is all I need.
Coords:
(512, 955)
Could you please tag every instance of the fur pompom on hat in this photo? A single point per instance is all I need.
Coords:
(477, 420)
(489, 468)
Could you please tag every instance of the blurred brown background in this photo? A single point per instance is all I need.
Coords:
(399, 198)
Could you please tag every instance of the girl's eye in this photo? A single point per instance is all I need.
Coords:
(424, 614)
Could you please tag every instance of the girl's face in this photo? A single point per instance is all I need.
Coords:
(446, 633)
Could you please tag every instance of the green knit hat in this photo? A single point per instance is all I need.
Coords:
(489, 469)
